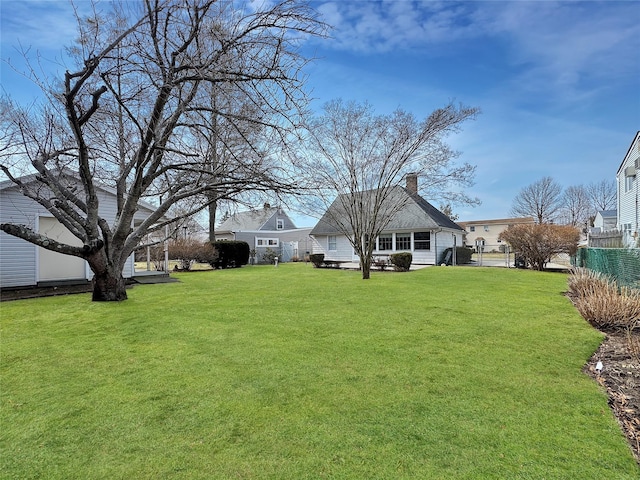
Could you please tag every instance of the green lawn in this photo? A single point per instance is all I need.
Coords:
(295, 372)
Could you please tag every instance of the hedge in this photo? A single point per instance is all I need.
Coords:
(231, 254)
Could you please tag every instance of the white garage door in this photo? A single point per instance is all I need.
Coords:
(56, 266)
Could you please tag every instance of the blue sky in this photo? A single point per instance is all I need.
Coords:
(558, 83)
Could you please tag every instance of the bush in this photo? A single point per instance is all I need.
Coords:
(538, 243)
(463, 255)
(401, 261)
(269, 256)
(187, 251)
(231, 254)
(601, 303)
(317, 259)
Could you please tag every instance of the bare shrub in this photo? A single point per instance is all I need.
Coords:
(540, 242)
(188, 251)
(583, 282)
(601, 303)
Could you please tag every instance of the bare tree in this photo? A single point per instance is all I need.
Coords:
(541, 200)
(602, 195)
(576, 207)
(356, 161)
(538, 243)
(130, 115)
(447, 209)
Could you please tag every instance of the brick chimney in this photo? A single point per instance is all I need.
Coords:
(267, 206)
(412, 182)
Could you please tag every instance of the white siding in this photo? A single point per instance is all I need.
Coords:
(344, 252)
(628, 199)
(18, 258)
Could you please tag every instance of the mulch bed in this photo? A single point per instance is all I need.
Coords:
(620, 377)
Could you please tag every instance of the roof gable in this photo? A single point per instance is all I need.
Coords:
(256, 220)
(631, 154)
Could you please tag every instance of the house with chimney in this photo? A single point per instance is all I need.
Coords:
(416, 226)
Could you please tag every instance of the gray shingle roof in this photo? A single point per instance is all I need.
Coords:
(250, 220)
(609, 213)
(415, 215)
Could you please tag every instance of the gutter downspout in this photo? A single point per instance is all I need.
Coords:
(435, 245)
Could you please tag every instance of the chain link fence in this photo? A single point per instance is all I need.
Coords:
(622, 264)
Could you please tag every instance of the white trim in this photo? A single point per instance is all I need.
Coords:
(267, 242)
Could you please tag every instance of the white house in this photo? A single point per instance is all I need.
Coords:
(605, 220)
(627, 193)
(23, 264)
(418, 227)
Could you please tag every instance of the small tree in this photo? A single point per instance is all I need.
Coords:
(356, 161)
(538, 243)
(576, 208)
(602, 195)
(541, 200)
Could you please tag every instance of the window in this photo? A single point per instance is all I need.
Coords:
(279, 224)
(422, 240)
(403, 241)
(628, 183)
(385, 241)
(486, 228)
(267, 242)
(333, 243)
(472, 229)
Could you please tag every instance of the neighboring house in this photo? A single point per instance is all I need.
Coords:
(23, 264)
(267, 228)
(628, 193)
(605, 220)
(485, 233)
(418, 227)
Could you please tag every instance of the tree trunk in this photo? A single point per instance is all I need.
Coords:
(365, 266)
(213, 205)
(109, 286)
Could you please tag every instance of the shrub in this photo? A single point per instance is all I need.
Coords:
(601, 303)
(538, 243)
(317, 259)
(207, 254)
(188, 251)
(231, 254)
(269, 256)
(463, 255)
(583, 282)
(401, 261)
